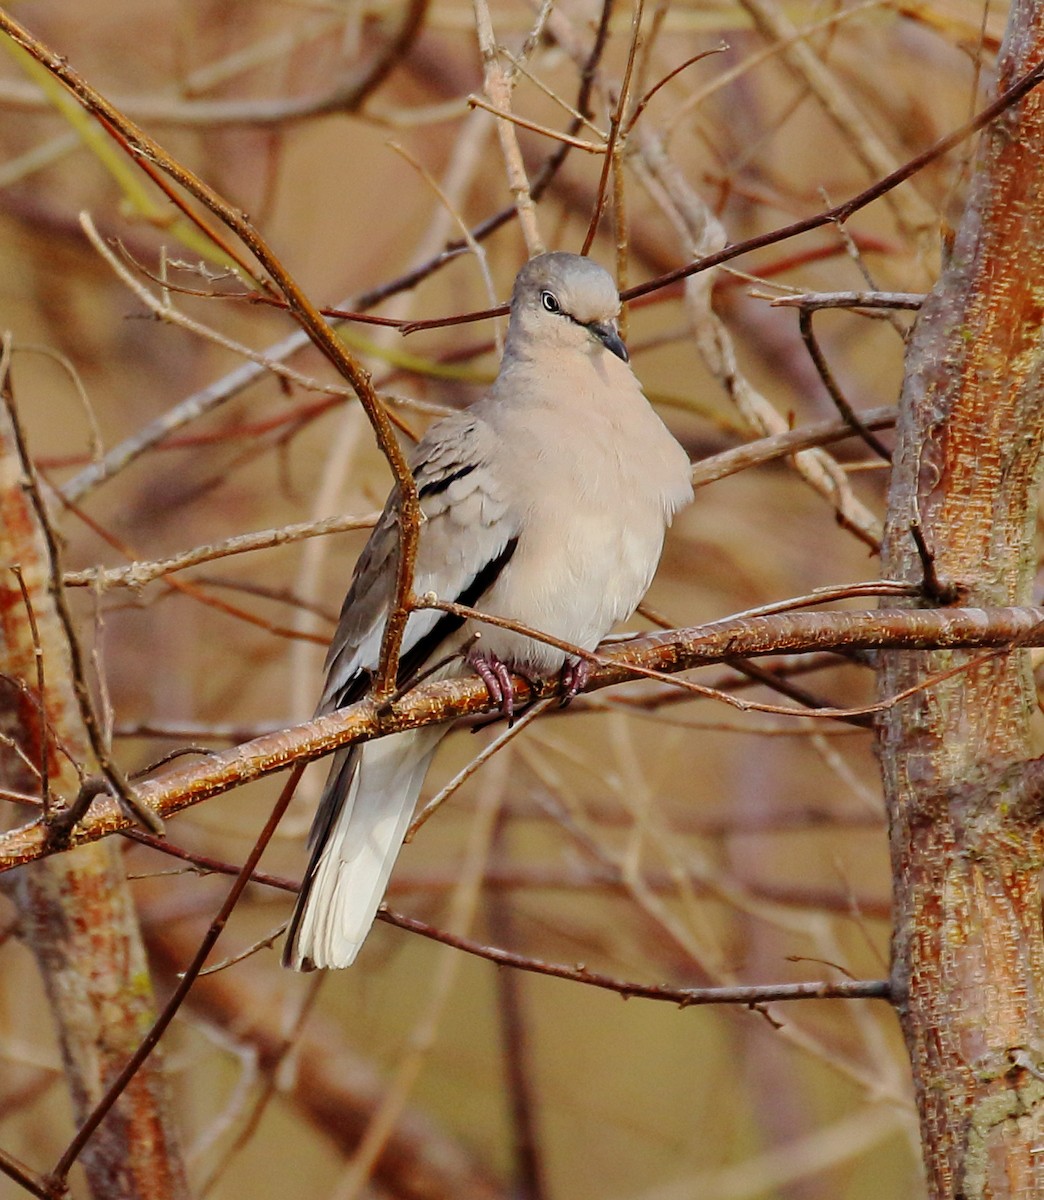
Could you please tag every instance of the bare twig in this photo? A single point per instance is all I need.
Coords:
(139, 574)
(913, 212)
(42, 768)
(613, 143)
(870, 300)
(498, 89)
(835, 393)
(748, 996)
(141, 146)
(781, 445)
(113, 773)
(27, 1179)
(149, 1042)
(841, 212)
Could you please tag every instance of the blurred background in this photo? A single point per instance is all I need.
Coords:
(644, 833)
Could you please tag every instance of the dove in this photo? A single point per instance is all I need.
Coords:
(546, 502)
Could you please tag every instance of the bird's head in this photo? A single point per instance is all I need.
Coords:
(567, 302)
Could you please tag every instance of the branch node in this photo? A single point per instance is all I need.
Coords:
(940, 589)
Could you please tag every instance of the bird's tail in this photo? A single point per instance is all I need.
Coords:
(358, 830)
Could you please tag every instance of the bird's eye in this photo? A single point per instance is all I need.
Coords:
(550, 301)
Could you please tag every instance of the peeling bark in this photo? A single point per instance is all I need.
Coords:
(76, 912)
(962, 791)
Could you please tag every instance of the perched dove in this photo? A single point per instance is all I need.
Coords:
(545, 502)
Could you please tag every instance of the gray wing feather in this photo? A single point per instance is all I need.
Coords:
(468, 523)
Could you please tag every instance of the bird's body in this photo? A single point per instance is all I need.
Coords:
(545, 503)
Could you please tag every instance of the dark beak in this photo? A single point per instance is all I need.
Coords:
(610, 339)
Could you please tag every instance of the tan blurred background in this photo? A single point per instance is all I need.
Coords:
(679, 842)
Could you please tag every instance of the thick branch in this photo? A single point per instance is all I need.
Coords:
(446, 701)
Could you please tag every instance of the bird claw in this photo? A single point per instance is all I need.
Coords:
(499, 684)
(574, 680)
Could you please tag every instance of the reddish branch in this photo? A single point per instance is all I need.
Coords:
(149, 153)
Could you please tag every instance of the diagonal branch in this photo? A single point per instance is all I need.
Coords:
(679, 650)
(143, 147)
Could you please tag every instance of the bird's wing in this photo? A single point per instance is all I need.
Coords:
(467, 537)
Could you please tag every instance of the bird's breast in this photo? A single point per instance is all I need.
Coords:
(588, 549)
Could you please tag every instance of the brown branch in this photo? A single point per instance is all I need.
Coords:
(347, 96)
(141, 146)
(125, 1077)
(685, 997)
(594, 876)
(334, 1086)
(613, 143)
(782, 445)
(26, 1178)
(830, 383)
(841, 212)
(831, 216)
(748, 996)
(111, 770)
(445, 701)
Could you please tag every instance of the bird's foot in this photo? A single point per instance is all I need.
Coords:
(497, 677)
(574, 679)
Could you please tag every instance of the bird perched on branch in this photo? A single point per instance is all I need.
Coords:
(546, 502)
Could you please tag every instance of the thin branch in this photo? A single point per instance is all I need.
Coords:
(783, 445)
(534, 127)
(347, 96)
(466, 772)
(42, 770)
(613, 142)
(841, 212)
(113, 773)
(748, 996)
(170, 1009)
(498, 89)
(640, 107)
(141, 146)
(872, 300)
(830, 383)
(912, 211)
(139, 574)
(28, 1179)
(541, 182)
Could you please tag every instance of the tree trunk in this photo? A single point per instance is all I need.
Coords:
(75, 909)
(962, 791)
